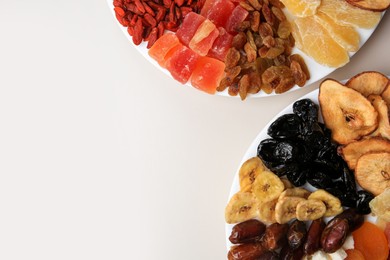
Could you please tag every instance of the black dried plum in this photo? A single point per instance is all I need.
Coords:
(348, 178)
(348, 199)
(286, 152)
(284, 169)
(286, 126)
(265, 151)
(318, 177)
(297, 178)
(306, 109)
(362, 203)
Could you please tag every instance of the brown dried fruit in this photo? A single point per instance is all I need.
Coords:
(372, 172)
(246, 231)
(347, 113)
(269, 41)
(299, 76)
(251, 250)
(334, 235)
(353, 151)
(232, 58)
(372, 5)
(265, 30)
(255, 21)
(380, 105)
(284, 29)
(243, 86)
(239, 40)
(278, 13)
(275, 236)
(299, 59)
(368, 82)
(250, 52)
(246, 6)
(256, 4)
(312, 243)
(232, 73)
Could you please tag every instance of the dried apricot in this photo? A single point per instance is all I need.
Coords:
(371, 242)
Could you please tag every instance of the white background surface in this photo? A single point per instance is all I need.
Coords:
(104, 157)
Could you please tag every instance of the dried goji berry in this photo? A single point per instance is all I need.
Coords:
(119, 11)
(138, 31)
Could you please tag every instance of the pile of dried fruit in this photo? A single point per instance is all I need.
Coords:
(148, 19)
(353, 143)
(259, 58)
(326, 29)
(341, 238)
(358, 116)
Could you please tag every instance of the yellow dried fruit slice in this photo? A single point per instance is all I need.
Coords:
(249, 170)
(317, 43)
(373, 172)
(343, 13)
(345, 35)
(372, 5)
(267, 187)
(267, 211)
(346, 112)
(380, 206)
(302, 8)
(368, 82)
(352, 152)
(242, 206)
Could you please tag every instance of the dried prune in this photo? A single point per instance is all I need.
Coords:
(246, 231)
(347, 198)
(298, 177)
(362, 203)
(286, 126)
(270, 255)
(318, 175)
(306, 109)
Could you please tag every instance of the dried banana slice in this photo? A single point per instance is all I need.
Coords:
(332, 203)
(310, 210)
(380, 105)
(267, 211)
(249, 170)
(285, 209)
(352, 152)
(373, 172)
(368, 82)
(380, 206)
(346, 112)
(241, 207)
(267, 187)
(295, 192)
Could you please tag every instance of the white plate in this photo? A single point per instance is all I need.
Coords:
(317, 71)
(252, 151)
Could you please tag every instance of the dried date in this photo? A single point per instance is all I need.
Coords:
(334, 235)
(247, 231)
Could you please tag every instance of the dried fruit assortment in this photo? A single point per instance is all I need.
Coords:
(307, 172)
(254, 38)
